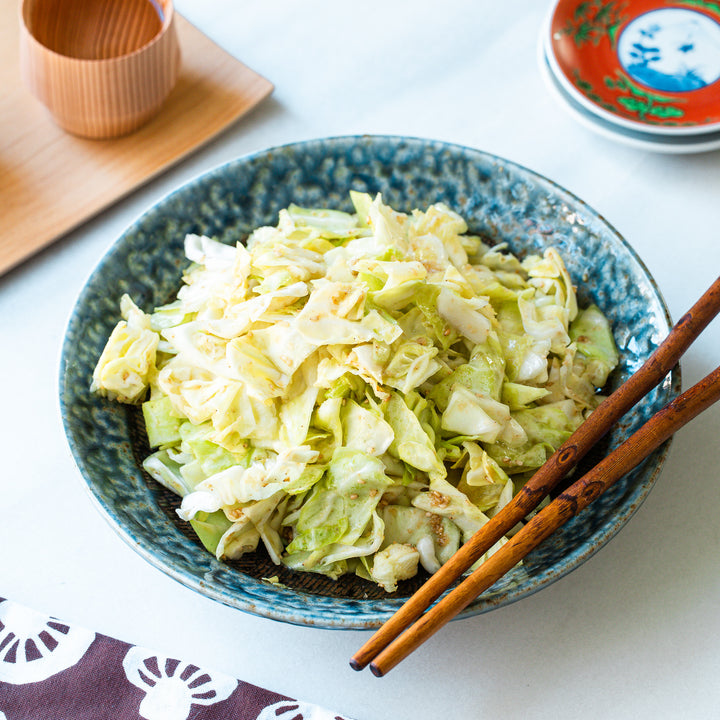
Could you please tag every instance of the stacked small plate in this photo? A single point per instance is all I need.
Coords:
(645, 73)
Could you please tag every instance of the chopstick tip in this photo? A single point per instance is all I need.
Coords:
(356, 665)
(375, 670)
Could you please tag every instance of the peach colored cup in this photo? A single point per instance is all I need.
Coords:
(102, 68)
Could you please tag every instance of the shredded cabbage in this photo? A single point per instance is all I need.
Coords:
(356, 392)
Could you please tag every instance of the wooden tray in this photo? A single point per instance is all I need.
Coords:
(51, 182)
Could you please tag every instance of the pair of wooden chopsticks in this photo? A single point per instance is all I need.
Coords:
(399, 637)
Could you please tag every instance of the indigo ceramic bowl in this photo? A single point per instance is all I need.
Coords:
(501, 201)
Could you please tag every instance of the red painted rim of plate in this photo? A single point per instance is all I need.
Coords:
(652, 142)
(581, 43)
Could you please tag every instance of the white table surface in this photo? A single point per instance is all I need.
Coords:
(635, 632)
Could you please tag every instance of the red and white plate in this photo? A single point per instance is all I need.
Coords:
(649, 66)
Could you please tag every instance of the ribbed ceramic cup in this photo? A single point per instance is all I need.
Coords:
(102, 68)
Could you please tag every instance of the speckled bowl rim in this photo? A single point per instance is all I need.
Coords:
(372, 613)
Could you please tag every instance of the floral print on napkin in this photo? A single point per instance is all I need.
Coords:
(50, 670)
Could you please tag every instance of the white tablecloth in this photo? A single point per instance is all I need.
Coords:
(635, 632)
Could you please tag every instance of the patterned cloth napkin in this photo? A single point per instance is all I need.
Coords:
(50, 670)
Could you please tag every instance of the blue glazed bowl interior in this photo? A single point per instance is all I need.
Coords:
(500, 200)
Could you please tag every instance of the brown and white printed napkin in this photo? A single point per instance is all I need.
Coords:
(50, 670)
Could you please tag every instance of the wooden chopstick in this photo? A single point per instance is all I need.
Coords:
(570, 502)
(665, 357)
